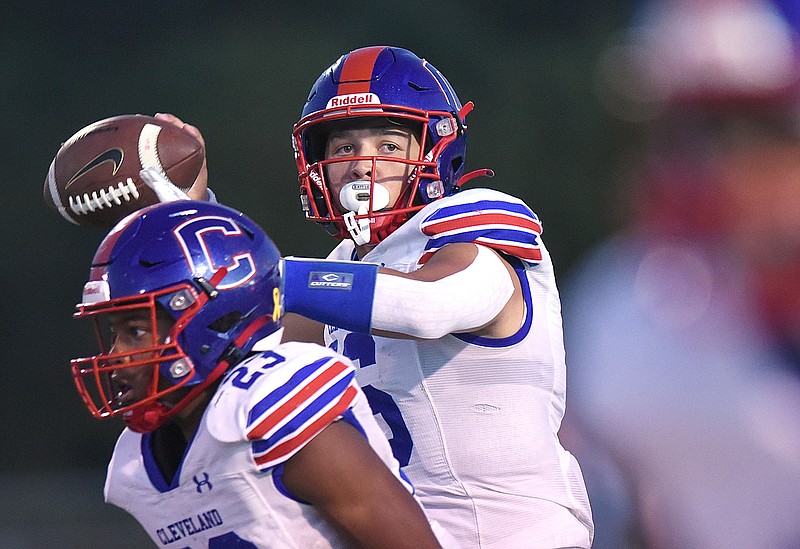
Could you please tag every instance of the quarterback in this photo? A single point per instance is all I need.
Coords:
(449, 308)
(444, 299)
(233, 438)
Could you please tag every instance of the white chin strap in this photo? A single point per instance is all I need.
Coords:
(355, 198)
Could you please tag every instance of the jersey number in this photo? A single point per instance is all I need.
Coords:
(243, 378)
(360, 348)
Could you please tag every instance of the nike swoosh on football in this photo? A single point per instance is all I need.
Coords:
(111, 155)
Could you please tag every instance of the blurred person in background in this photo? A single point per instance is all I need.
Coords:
(683, 329)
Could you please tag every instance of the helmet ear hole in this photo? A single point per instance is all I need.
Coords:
(224, 323)
(456, 163)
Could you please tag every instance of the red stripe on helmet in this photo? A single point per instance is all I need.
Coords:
(103, 254)
(356, 72)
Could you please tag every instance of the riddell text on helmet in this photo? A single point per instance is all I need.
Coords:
(353, 99)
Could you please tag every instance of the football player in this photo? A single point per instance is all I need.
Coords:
(444, 298)
(232, 438)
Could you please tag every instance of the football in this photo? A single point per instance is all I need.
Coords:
(94, 178)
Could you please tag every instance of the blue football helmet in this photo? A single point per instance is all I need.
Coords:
(206, 272)
(394, 85)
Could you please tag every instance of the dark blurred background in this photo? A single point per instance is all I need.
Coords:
(240, 71)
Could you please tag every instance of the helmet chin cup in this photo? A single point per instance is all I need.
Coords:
(355, 197)
(146, 418)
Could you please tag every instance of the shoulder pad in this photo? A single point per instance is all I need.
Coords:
(278, 400)
(483, 216)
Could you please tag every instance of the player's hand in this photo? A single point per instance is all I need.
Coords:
(199, 189)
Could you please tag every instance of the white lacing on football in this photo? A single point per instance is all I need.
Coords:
(104, 198)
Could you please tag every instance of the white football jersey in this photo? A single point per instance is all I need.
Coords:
(228, 491)
(473, 421)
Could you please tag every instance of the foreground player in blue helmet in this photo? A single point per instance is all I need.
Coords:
(444, 298)
(233, 438)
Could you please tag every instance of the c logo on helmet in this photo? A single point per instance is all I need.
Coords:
(193, 236)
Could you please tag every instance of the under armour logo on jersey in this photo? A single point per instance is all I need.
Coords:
(200, 483)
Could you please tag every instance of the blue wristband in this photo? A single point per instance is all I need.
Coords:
(338, 293)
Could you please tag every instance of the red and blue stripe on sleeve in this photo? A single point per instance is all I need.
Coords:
(287, 418)
(508, 227)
